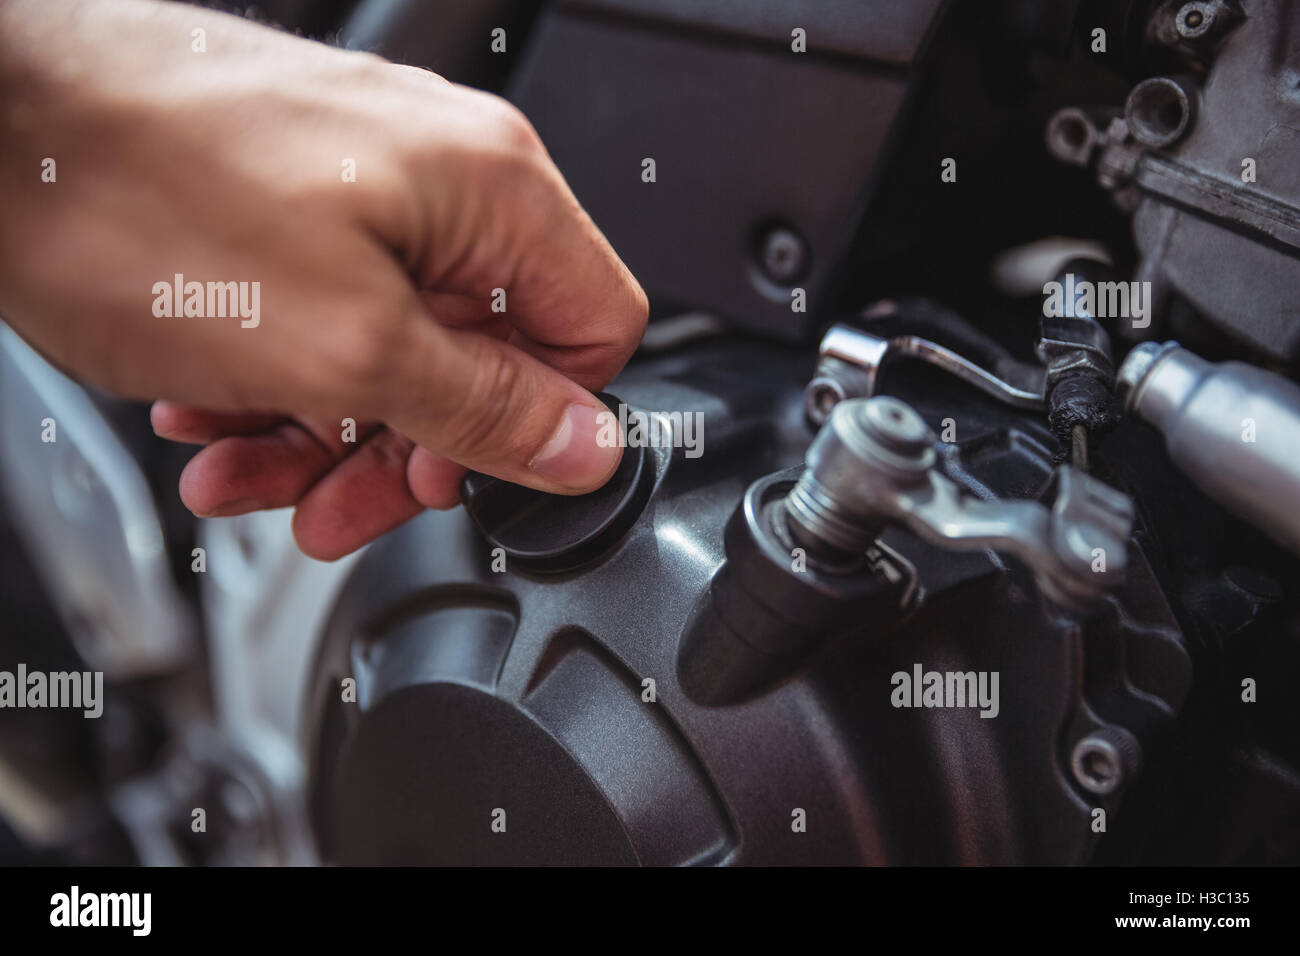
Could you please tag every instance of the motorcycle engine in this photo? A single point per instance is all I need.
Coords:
(956, 521)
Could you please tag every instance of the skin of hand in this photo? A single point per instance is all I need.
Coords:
(376, 294)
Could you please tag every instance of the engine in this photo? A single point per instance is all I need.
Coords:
(957, 518)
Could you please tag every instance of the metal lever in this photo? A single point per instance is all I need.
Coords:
(851, 361)
(874, 464)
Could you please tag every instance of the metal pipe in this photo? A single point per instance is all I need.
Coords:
(1232, 428)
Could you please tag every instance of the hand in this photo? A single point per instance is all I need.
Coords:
(374, 297)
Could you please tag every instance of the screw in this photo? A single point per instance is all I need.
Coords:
(1194, 21)
(784, 255)
(1101, 761)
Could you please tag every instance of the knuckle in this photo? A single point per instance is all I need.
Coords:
(362, 354)
(503, 126)
(418, 74)
(368, 65)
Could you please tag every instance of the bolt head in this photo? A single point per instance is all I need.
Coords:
(783, 255)
(1102, 761)
(1194, 20)
(895, 425)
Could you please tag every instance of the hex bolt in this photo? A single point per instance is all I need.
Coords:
(783, 255)
(1194, 20)
(1104, 760)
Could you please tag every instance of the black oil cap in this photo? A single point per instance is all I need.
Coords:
(554, 533)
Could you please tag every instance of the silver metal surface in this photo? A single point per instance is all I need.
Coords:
(1135, 367)
(1161, 109)
(845, 345)
(1232, 428)
(264, 603)
(873, 463)
(1205, 160)
(1105, 760)
(85, 514)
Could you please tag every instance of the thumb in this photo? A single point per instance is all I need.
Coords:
(491, 407)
